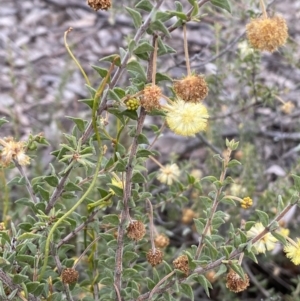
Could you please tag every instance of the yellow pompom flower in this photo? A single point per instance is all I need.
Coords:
(267, 242)
(267, 33)
(293, 252)
(186, 118)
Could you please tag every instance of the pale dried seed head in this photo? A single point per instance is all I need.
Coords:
(192, 88)
(235, 283)
(150, 99)
(161, 241)
(136, 230)
(155, 257)
(267, 33)
(99, 4)
(69, 276)
(182, 263)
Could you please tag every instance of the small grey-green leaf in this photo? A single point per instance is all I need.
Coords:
(143, 47)
(224, 4)
(188, 291)
(111, 219)
(263, 217)
(136, 17)
(204, 283)
(51, 180)
(145, 5)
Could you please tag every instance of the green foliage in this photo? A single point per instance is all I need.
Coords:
(78, 211)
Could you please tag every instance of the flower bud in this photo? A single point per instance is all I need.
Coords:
(69, 276)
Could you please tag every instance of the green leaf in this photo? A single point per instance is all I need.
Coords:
(129, 273)
(136, 17)
(43, 192)
(296, 182)
(222, 270)
(111, 58)
(29, 236)
(17, 181)
(224, 4)
(25, 258)
(145, 5)
(161, 77)
(136, 68)
(280, 237)
(228, 200)
(51, 180)
(238, 269)
(144, 153)
(101, 71)
(89, 102)
(188, 291)
(143, 47)
(159, 26)
(112, 219)
(131, 114)
(17, 279)
(130, 256)
(179, 15)
(233, 163)
(2, 121)
(138, 178)
(204, 283)
(179, 6)
(142, 139)
(32, 286)
(263, 217)
(80, 123)
(210, 179)
(199, 226)
(72, 187)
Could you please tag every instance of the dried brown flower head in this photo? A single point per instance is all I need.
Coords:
(99, 4)
(192, 88)
(155, 257)
(267, 33)
(235, 283)
(187, 215)
(161, 241)
(150, 99)
(69, 276)
(136, 230)
(182, 263)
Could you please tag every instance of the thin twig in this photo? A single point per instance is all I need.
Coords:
(151, 226)
(28, 184)
(186, 51)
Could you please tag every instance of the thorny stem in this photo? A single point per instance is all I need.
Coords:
(127, 186)
(28, 184)
(214, 206)
(263, 8)
(151, 226)
(186, 51)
